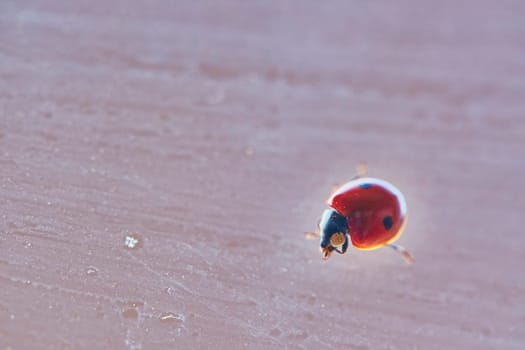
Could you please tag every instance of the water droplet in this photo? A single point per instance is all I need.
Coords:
(92, 271)
(130, 313)
(172, 318)
(132, 241)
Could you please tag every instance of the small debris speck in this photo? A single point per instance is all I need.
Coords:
(170, 317)
(91, 271)
(132, 241)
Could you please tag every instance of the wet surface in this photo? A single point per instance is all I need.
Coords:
(160, 163)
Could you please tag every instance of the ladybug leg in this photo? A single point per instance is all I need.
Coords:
(362, 170)
(311, 235)
(335, 187)
(326, 252)
(314, 235)
(405, 254)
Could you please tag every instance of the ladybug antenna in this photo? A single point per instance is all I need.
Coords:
(405, 254)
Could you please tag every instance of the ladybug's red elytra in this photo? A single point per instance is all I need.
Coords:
(368, 212)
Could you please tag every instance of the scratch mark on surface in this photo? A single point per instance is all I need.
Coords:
(50, 287)
(159, 275)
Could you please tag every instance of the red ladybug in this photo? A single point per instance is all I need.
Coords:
(369, 212)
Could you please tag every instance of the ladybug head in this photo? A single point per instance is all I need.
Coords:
(333, 233)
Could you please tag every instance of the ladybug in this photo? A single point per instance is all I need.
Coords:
(366, 211)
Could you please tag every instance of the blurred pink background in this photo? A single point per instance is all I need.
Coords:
(211, 134)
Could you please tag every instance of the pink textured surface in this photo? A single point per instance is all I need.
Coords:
(214, 132)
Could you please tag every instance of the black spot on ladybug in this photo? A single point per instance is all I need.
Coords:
(388, 222)
(365, 186)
